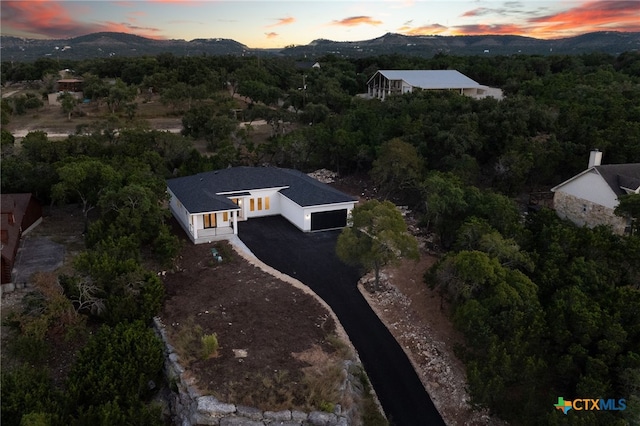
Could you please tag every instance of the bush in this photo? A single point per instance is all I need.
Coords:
(136, 296)
(117, 364)
(166, 246)
(29, 349)
(209, 345)
(26, 390)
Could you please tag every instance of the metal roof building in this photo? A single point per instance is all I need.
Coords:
(393, 82)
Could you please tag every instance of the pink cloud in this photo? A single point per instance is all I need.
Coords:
(271, 35)
(51, 19)
(283, 21)
(591, 16)
(356, 20)
(423, 30)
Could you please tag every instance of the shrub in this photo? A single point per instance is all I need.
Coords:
(166, 246)
(209, 345)
(117, 364)
(26, 390)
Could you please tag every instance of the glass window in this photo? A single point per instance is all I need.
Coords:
(209, 220)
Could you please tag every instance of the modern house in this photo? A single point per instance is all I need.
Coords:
(20, 213)
(397, 82)
(590, 197)
(209, 205)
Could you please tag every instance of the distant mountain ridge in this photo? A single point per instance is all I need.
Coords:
(108, 44)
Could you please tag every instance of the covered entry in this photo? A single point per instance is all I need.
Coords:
(328, 220)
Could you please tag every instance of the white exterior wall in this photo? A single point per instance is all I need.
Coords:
(274, 203)
(301, 216)
(591, 186)
(293, 213)
(179, 212)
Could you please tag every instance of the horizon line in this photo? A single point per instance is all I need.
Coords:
(335, 41)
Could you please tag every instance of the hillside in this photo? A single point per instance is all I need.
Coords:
(106, 44)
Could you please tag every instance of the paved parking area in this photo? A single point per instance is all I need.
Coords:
(37, 254)
(311, 258)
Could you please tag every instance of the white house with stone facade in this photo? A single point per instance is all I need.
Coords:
(209, 205)
(590, 197)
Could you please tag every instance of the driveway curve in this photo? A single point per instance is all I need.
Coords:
(311, 258)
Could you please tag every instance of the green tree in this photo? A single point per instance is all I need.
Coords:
(86, 179)
(119, 95)
(445, 203)
(398, 167)
(7, 142)
(94, 88)
(68, 102)
(629, 207)
(376, 236)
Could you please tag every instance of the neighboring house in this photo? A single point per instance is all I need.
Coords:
(590, 197)
(69, 85)
(20, 214)
(210, 205)
(395, 82)
(307, 65)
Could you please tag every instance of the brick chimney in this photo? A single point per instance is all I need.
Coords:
(595, 158)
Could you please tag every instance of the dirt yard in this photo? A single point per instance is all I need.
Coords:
(278, 345)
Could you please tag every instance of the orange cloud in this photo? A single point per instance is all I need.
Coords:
(423, 30)
(51, 19)
(618, 15)
(271, 35)
(283, 21)
(357, 20)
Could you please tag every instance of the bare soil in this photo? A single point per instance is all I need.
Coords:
(276, 341)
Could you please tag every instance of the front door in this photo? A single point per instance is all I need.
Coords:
(209, 220)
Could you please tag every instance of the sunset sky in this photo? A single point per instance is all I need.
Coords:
(271, 24)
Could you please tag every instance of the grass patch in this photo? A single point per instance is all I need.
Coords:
(275, 391)
(343, 350)
(187, 340)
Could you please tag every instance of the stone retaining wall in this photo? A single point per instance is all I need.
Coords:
(189, 408)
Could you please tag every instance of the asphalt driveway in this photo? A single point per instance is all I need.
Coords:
(311, 258)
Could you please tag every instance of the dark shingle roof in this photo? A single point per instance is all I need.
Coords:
(620, 175)
(198, 193)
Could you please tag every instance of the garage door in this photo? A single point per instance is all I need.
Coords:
(328, 220)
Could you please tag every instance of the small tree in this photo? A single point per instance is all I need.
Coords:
(68, 102)
(86, 179)
(377, 236)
